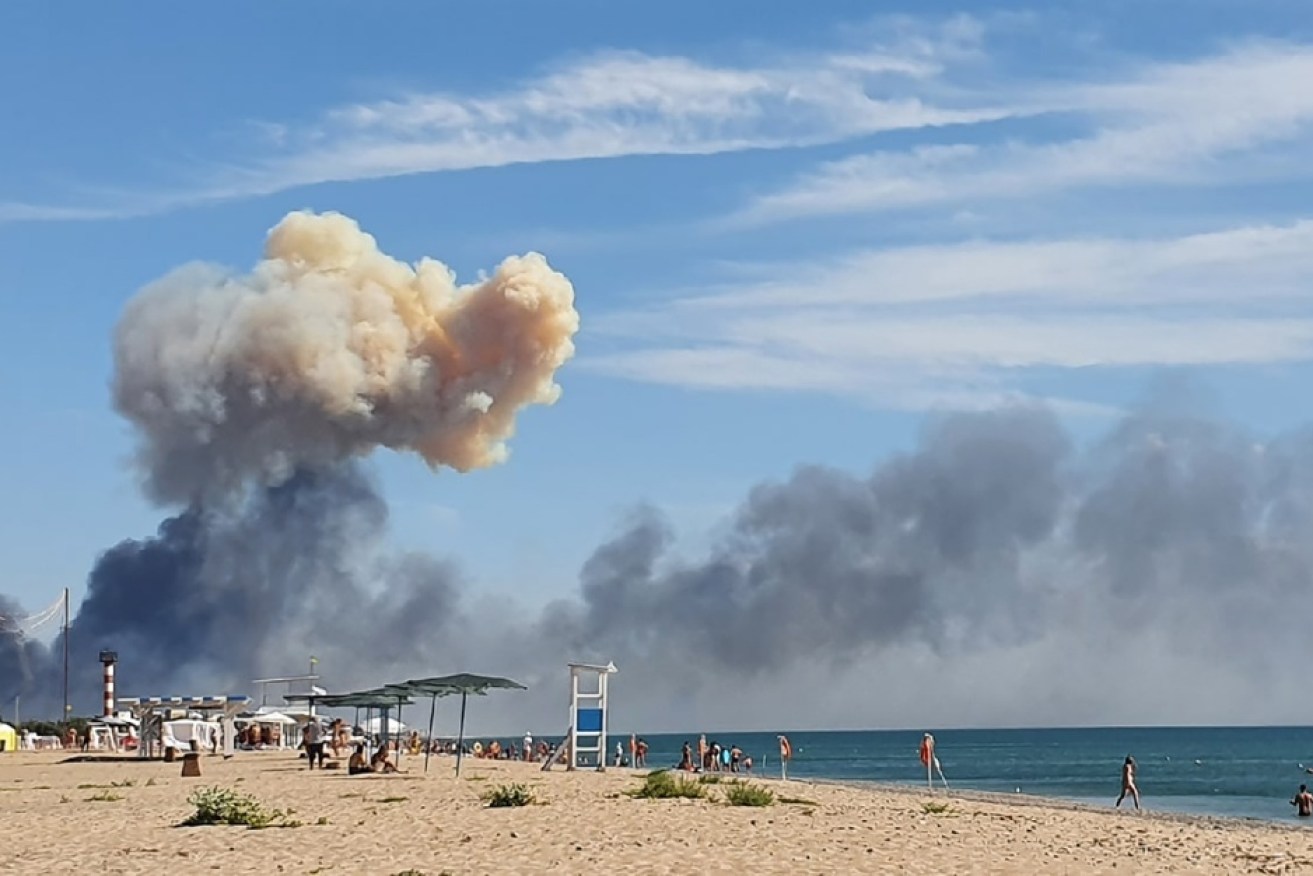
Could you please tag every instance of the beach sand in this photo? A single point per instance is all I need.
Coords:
(436, 823)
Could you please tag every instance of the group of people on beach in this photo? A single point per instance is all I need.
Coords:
(712, 757)
(340, 737)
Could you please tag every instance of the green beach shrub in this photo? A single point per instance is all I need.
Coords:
(508, 795)
(932, 808)
(748, 795)
(662, 785)
(226, 806)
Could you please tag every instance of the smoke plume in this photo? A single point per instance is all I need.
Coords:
(999, 572)
(252, 397)
(328, 350)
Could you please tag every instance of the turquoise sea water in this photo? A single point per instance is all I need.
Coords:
(1245, 772)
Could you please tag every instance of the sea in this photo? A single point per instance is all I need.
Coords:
(1235, 772)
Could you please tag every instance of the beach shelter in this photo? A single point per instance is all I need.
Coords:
(381, 698)
(8, 738)
(286, 725)
(225, 708)
(462, 683)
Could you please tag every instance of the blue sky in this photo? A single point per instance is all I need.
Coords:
(793, 231)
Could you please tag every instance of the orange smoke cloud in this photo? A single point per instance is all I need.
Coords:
(328, 349)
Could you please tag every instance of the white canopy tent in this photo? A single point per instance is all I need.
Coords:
(180, 734)
(224, 708)
(374, 725)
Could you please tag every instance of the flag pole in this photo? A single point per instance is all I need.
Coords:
(928, 758)
(929, 764)
(66, 705)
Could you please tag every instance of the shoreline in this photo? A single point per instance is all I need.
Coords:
(903, 789)
(110, 816)
(1066, 804)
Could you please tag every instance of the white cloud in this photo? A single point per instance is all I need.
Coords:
(611, 105)
(19, 211)
(961, 324)
(627, 104)
(1252, 265)
(1181, 123)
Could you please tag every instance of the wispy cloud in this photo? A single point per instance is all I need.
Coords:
(611, 105)
(952, 324)
(19, 211)
(1192, 122)
(626, 103)
(1251, 266)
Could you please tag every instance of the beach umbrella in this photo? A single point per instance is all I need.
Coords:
(462, 683)
(423, 687)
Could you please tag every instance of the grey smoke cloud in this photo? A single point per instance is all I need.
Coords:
(997, 573)
(1162, 574)
(929, 548)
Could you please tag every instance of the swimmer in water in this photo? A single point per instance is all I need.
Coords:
(1303, 802)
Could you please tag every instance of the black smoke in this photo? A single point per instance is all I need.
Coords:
(1164, 572)
(228, 592)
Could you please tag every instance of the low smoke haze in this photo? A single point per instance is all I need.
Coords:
(995, 574)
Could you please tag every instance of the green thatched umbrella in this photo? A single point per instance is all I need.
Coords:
(376, 698)
(446, 685)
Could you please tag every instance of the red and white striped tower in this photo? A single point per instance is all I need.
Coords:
(108, 659)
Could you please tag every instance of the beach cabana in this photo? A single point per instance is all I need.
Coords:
(286, 725)
(224, 708)
(447, 685)
(8, 738)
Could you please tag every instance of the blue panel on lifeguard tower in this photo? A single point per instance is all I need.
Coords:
(589, 721)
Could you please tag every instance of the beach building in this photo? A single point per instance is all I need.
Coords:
(8, 738)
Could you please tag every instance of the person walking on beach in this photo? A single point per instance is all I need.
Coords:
(1128, 784)
(314, 744)
(1303, 802)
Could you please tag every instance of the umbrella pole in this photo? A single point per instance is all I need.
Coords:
(400, 743)
(460, 741)
(428, 747)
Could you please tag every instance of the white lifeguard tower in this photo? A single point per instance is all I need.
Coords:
(588, 712)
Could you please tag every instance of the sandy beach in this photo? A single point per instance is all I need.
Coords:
(122, 817)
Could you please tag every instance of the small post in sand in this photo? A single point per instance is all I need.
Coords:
(928, 758)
